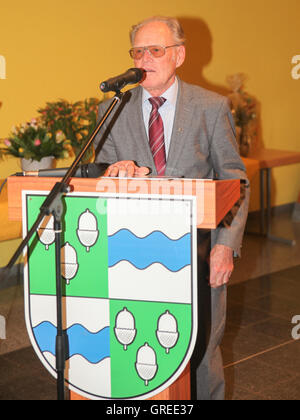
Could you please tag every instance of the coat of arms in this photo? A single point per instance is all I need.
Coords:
(130, 307)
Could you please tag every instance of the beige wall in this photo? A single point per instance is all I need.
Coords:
(63, 49)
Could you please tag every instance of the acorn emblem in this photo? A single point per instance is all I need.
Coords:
(87, 231)
(125, 330)
(146, 365)
(46, 231)
(69, 264)
(167, 331)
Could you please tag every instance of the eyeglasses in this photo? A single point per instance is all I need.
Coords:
(155, 50)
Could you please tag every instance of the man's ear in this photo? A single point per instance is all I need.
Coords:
(180, 55)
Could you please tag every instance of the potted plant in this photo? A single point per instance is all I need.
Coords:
(35, 145)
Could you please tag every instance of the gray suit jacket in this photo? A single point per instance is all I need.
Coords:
(202, 145)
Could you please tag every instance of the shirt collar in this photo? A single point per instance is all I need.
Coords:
(170, 94)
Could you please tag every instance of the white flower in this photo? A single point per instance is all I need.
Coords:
(60, 136)
(33, 123)
(14, 130)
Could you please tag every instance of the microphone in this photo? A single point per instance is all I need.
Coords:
(117, 83)
(89, 170)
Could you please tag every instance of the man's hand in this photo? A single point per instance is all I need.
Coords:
(221, 265)
(126, 168)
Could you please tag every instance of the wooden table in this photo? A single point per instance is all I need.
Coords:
(266, 160)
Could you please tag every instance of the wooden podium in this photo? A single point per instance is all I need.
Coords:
(214, 199)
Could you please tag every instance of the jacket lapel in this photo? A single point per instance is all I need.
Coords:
(182, 122)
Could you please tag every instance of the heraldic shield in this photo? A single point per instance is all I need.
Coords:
(129, 291)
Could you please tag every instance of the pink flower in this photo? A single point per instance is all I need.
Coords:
(37, 142)
(7, 143)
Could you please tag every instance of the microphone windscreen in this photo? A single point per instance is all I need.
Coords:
(95, 170)
(139, 74)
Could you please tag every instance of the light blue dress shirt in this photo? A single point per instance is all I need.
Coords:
(167, 111)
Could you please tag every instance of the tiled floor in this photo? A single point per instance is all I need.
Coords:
(261, 359)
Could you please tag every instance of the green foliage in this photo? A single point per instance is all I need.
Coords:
(32, 140)
(61, 130)
(76, 121)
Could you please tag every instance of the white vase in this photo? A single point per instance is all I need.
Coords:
(34, 165)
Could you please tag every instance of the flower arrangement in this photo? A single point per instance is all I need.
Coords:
(243, 111)
(32, 140)
(61, 130)
(75, 122)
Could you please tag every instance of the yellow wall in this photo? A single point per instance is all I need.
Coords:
(64, 49)
(7, 249)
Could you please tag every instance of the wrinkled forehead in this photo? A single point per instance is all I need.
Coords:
(153, 33)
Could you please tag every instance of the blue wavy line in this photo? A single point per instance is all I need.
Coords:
(146, 267)
(94, 347)
(154, 248)
(149, 234)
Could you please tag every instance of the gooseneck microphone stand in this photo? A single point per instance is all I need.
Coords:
(53, 205)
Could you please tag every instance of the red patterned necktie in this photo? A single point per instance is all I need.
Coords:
(156, 135)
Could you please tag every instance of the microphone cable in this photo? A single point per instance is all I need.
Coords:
(3, 185)
(5, 181)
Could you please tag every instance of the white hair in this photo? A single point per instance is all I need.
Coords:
(172, 23)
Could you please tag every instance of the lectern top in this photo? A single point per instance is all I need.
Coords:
(215, 198)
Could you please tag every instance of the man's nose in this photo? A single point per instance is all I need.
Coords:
(147, 55)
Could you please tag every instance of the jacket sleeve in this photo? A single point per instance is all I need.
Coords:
(228, 164)
(105, 150)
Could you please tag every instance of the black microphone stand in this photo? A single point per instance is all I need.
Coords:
(53, 205)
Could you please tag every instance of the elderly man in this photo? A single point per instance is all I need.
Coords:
(180, 130)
